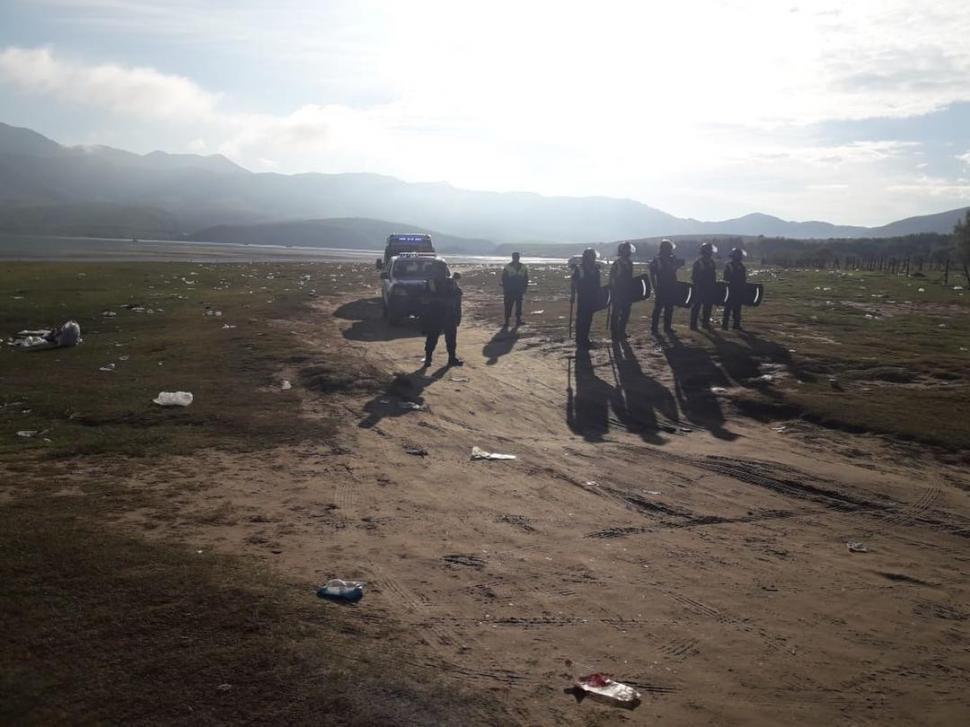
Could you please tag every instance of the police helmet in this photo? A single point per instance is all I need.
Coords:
(708, 248)
(625, 248)
(589, 254)
(738, 253)
(667, 246)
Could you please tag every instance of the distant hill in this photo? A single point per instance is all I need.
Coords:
(352, 233)
(89, 220)
(203, 191)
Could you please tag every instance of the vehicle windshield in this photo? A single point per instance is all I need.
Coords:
(415, 268)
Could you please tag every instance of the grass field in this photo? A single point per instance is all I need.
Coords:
(863, 351)
(206, 329)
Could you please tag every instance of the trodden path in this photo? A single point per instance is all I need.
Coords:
(707, 567)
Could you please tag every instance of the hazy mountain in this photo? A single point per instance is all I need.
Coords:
(202, 191)
(354, 233)
(88, 220)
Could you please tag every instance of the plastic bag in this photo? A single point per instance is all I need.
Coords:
(173, 398)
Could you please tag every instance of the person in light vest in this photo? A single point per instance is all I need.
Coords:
(736, 276)
(621, 282)
(515, 281)
(704, 278)
(585, 293)
(442, 314)
(663, 271)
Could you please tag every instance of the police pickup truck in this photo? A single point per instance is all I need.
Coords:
(403, 282)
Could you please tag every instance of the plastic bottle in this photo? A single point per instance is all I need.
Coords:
(338, 590)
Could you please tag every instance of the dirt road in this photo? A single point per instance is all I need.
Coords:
(705, 564)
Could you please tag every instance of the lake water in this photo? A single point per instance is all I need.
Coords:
(90, 249)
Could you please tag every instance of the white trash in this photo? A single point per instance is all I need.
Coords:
(482, 454)
(601, 688)
(286, 385)
(173, 398)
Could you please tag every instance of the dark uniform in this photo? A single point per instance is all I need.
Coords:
(735, 275)
(621, 281)
(704, 278)
(441, 314)
(663, 270)
(586, 289)
(515, 281)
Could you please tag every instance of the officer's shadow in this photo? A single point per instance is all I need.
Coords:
(404, 395)
(501, 344)
(639, 401)
(695, 372)
(588, 406)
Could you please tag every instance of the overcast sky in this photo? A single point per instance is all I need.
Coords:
(853, 112)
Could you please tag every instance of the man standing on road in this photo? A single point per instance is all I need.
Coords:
(621, 283)
(585, 288)
(704, 277)
(442, 314)
(736, 276)
(515, 281)
(663, 272)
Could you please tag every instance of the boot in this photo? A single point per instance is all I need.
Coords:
(455, 361)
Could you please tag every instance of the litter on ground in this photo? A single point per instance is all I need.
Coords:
(602, 688)
(173, 398)
(341, 590)
(857, 547)
(66, 336)
(478, 453)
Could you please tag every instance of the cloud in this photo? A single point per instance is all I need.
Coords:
(965, 157)
(136, 91)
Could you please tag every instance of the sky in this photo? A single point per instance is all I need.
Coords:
(850, 112)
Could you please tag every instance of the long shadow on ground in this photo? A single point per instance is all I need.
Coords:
(369, 323)
(500, 344)
(695, 372)
(588, 407)
(394, 400)
(640, 402)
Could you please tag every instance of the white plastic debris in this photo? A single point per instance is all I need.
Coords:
(857, 547)
(478, 453)
(410, 406)
(286, 385)
(107, 367)
(173, 398)
(601, 688)
(718, 390)
(27, 433)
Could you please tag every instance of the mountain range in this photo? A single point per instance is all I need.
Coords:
(47, 188)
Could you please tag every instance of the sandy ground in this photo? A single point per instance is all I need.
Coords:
(708, 567)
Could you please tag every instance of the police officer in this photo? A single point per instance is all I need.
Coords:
(736, 276)
(442, 314)
(663, 274)
(621, 283)
(704, 278)
(515, 281)
(585, 293)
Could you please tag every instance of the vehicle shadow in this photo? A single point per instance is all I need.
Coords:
(588, 407)
(398, 396)
(640, 402)
(695, 372)
(369, 323)
(501, 344)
